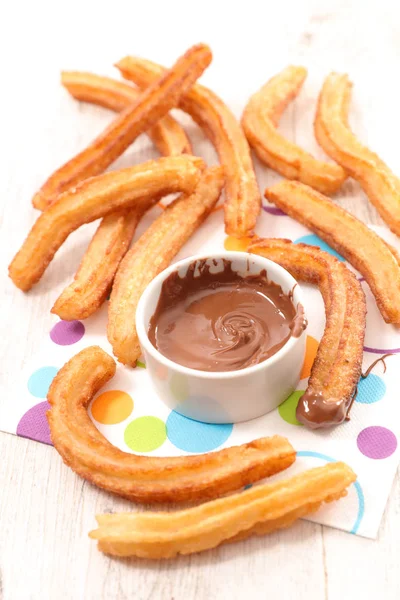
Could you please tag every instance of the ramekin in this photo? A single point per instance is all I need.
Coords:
(228, 396)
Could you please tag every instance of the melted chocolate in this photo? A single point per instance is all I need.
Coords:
(222, 321)
(372, 365)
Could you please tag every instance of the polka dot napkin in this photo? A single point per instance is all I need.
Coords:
(130, 415)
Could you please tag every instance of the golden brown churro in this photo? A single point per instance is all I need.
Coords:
(145, 478)
(242, 204)
(260, 121)
(93, 280)
(153, 104)
(258, 511)
(361, 246)
(337, 367)
(167, 135)
(97, 197)
(152, 253)
(335, 137)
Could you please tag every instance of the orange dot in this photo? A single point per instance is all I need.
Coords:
(112, 407)
(311, 352)
(239, 244)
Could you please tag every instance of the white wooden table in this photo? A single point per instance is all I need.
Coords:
(45, 510)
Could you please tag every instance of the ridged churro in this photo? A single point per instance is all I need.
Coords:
(242, 204)
(260, 121)
(337, 366)
(361, 246)
(152, 104)
(335, 137)
(258, 511)
(152, 253)
(145, 478)
(93, 280)
(97, 197)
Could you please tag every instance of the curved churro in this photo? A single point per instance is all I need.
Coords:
(153, 104)
(97, 197)
(260, 120)
(258, 511)
(93, 280)
(242, 204)
(335, 137)
(361, 246)
(337, 366)
(152, 253)
(144, 478)
(167, 135)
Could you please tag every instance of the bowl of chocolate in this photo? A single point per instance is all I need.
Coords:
(223, 336)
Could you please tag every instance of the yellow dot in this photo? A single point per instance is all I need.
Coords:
(311, 352)
(112, 407)
(238, 244)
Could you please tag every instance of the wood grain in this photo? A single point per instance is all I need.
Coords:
(45, 510)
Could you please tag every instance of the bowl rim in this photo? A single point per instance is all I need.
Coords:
(215, 375)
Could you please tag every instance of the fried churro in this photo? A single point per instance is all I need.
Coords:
(152, 104)
(93, 280)
(167, 135)
(145, 478)
(258, 511)
(242, 204)
(97, 197)
(260, 121)
(335, 137)
(361, 246)
(152, 253)
(337, 367)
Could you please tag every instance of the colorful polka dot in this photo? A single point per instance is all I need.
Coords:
(314, 240)
(140, 364)
(112, 407)
(287, 409)
(376, 442)
(34, 425)
(39, 382)
(311, 352)
(194, 436)
(237, 244)
(371, 389)
(145, 434)
(66, 333)
(273, 210)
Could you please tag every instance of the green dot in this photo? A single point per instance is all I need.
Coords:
(145, 434)
(287, 409)
(140, 364)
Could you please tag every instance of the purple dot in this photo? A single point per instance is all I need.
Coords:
(273, 210)
(376, 442)
(66, 333)
(34, 425)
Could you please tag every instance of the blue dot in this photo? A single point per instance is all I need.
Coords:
(371, 389)
(39, 382)
(314, 240)
(248, 486)
(193, 436)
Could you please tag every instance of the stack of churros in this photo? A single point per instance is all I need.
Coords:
(80, 192)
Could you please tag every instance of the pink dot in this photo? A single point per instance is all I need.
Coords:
(66, 333)
(376, 442)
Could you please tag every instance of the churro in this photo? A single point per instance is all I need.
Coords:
(358, 244)
(242, 204)
(337, 367)
(93, 280)
(335, 137)
(150, 255)
(258, 511)
(97, 197)
(152, 104)
(145, 478)
(260, 121)
(167, 135)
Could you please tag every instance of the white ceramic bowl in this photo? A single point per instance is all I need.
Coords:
(228, 396)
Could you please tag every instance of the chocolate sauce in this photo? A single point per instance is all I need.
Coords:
(372, 365)
(222, 320)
